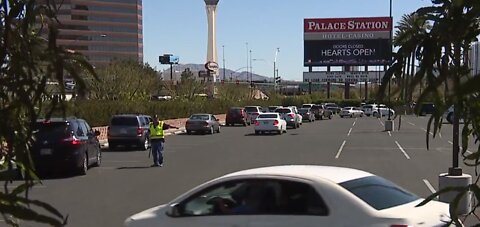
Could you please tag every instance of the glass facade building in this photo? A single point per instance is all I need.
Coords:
(102, 30)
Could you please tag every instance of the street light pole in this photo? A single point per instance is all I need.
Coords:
(223, 56)
(274, 70)
(248, 60)
(251, 68)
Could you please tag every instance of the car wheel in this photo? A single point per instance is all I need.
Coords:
(218, 130)
(330, 116)
(84, 167)
(341, 116)
(144, 144)
(321, 117)
(257, 132)
(99, 158)
(189, 132)
(212, 131)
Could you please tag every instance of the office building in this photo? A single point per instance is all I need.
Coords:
(102, 30)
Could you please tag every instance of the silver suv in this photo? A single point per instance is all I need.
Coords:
(291, 116)
(129, 130)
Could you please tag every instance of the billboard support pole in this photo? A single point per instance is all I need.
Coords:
(328, 84)
(366, 85)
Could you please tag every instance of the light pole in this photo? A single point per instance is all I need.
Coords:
(274, 69)
(248, 60)
(223, 56)
(389, 62)
(251, 68)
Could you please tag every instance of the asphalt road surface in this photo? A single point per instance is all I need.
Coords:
(125, 184)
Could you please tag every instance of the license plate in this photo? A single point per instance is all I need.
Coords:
(266, 123)
(123, 131)
(45, 151)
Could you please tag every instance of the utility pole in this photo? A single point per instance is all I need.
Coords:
(223, 56)
(274, 69)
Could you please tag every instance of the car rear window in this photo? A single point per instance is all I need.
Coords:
(283, 111)
(125, 121)
(251, 109)
(268, 116)
(234, 111)
(378, 192)
(200, 117)
(272, 108)
(52, 130)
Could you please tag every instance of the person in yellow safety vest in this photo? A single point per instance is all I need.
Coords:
(157, 139)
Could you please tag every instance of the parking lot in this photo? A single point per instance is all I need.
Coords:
(126, 184)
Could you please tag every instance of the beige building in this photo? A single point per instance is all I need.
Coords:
(102, 30)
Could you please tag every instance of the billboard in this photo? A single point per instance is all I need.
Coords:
(347, 41)
(343, 77)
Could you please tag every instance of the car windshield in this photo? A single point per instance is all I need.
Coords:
(201, 117)
(378, 192)
(124, 121)
(251, 109)
(235, 111)
(283, 110)
(267, 116)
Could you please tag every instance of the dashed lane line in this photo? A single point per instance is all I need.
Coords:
(402, 150)
(411, 123)
(429, 186)
(451, 143)
(389, 133)
(340, 150)
(349, 131)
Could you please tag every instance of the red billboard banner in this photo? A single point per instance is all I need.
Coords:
(347, 41)
(363, 24)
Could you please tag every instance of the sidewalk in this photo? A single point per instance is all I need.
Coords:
(169, 132)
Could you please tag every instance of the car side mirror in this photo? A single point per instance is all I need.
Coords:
(174, 210)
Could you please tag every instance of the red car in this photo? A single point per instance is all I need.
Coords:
(237, 115)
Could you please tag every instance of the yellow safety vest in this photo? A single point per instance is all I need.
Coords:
(156, 132)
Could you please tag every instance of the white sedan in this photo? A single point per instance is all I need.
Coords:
(351, 112)
(270, 122)
(296, 195)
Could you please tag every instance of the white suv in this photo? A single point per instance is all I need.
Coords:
(373, 109)
(292, 118)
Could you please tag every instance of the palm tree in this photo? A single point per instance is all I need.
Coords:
(410, 28)
(440, 51)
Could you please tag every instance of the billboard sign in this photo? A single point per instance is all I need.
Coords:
(347, 41)
(343, 77)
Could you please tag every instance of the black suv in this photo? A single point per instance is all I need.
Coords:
(129, 130)
(65, 144)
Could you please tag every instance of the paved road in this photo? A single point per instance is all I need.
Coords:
(125, 184)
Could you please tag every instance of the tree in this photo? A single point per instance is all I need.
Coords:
(189, 86)
(30, 59)
(441, 52)
(124, 80)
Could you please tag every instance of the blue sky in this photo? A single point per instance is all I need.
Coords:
(180, 27)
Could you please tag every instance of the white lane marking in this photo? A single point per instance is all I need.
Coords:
(429, 186)
(354, 122)
(340, 150)
(411, 123)
(469, 152)
(119, 161)
(349, 131)
(389, 133)
(431, 133)
(402, 150)
(380, 122)
(440, 135)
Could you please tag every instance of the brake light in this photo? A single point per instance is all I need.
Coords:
(275, 122)
(257, 123)
(139, 131)
(73, 140)
(291, 115)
